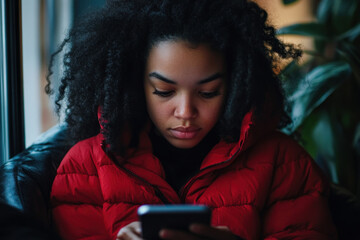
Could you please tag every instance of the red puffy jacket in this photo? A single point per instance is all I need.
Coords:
(263, 187)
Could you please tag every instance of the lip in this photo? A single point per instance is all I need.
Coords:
(185, 132)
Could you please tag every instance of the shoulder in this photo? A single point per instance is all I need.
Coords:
(77, 179)
(81, 157)
(294, 171)
(284, 149)
(297, 194)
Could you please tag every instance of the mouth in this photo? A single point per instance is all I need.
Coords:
(185, 132)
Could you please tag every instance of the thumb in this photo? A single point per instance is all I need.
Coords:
(225, 228)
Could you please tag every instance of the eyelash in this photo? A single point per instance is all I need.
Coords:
(163, 93)
(206, 95)
(209, 95)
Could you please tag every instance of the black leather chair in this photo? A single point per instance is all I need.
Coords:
(26, 179)
(25, 185)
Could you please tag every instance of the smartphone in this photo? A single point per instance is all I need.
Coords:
(153, 218)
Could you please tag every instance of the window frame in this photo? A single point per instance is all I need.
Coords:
(12, 112)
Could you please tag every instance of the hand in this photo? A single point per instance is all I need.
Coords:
(201, 231)
(131, 231)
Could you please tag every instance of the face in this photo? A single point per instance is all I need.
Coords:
(185, 90)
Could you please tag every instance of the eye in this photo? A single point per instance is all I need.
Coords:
(209, 94)
(163, 93)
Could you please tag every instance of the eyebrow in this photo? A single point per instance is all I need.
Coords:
(164, 79)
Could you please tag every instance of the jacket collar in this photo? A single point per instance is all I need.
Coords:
(253, 128)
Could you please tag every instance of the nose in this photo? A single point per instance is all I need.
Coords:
(185, 109)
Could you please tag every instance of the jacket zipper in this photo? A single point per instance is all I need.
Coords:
(201, 173)
(158, 193)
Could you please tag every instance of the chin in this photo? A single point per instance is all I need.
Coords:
(184, 144)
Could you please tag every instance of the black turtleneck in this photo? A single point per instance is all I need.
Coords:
(180, 164)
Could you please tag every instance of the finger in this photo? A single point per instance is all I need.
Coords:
(127, 234)
(212, 232)
(136, 227)
(225, 228)
(131, 231)
(176, 235)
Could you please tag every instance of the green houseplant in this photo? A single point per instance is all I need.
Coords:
(324, 92)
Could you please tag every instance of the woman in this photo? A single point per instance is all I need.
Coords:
(176, 101)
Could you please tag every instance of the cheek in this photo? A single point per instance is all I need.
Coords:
(158, 111)
(212, 111)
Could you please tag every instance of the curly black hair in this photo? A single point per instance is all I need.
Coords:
(105, 57)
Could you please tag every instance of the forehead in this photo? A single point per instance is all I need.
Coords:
(180, 60)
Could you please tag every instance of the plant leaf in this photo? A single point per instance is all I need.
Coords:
(351, 54)
(311, 29)
(324, 11)
(324, 140)
(351, 34)
(334, 146)
(313, 89)
(287, 2)
(343, 15)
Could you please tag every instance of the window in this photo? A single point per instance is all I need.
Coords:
(45, 24)
(31, 30)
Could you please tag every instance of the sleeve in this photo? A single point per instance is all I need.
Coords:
(298, 206)
(76, 197)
